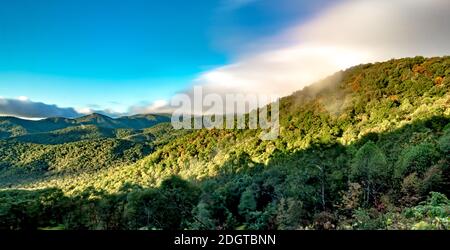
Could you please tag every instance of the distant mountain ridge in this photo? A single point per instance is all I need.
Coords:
(13, 126)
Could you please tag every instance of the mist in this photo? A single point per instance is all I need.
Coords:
(350, 33)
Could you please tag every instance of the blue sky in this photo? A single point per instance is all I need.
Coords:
(113, 54)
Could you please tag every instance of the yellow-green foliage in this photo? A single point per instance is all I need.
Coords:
(383, 127)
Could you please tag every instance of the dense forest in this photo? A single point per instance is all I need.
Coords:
(366, 148)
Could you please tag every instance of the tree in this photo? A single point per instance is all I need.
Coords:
(444, 144)
(290, 214)
(247, 203)
(417, 159)
(167, 207)
(410, 189)
(203, 217)
(370, 168)
(351, 198)
(177, 198)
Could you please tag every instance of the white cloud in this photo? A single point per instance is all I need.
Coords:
(350, 33)
(158, 106)
(23, 98)
(84, 111)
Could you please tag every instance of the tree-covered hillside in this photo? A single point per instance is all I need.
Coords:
(77, 150)
(367, 148)
(12, 126)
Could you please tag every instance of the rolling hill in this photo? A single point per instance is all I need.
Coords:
(366, 148)
(12, 126)
(31, 150)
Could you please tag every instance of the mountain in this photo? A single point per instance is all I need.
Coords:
(366, 148)
(31, 150)
(98, 120)
(12, 126)
(65, 135)
(143, 121)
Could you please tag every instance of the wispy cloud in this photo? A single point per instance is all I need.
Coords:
(349, 33)
(158, 106)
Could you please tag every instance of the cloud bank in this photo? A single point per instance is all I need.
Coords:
(354, 32)
(23, 107)
(347, 34)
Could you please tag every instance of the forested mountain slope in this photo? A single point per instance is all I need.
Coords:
(366, 148)
(80, 146)
(12, 126)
